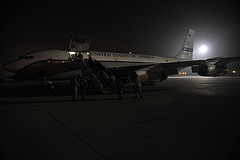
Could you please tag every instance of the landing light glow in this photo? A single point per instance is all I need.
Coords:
(203, 49)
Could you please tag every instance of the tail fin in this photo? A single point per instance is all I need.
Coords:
(186, 51)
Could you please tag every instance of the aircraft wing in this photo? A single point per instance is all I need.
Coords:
(172, 67)
(167, 68)
(127, 70)
(223, 61)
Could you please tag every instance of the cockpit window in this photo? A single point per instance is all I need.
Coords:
(26, 57)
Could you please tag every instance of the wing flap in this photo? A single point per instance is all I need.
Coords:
(174, 65)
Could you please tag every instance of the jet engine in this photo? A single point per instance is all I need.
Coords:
(151, 76)
(208, 69)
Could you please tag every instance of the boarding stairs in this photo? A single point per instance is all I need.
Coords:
(93, 78)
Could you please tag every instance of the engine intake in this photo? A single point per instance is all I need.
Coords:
(208, 69)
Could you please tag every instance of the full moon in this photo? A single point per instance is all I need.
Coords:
(203, 49)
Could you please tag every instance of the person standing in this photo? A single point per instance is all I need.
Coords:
(83, 86)
(75, 86)
(119, 86)
(137, 86)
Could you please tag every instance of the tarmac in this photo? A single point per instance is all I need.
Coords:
(179, 118)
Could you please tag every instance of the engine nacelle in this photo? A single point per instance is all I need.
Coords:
(208, 69)
(151, 76)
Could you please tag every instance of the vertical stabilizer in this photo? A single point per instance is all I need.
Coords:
(186, 51)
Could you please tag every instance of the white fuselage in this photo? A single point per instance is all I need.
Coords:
(40, 63)
(29, 63)
(110, 59)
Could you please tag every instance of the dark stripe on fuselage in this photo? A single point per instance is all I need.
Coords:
(114, 62)
(58, 61)
(187, 49)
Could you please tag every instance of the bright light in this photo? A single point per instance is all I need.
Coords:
(72, 53)
(203, 49)
(182, 73)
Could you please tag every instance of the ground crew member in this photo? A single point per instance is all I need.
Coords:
(137, 86)
(75, 85)
(119, 87)
(113, 82)
(80, 56)
(83, 86)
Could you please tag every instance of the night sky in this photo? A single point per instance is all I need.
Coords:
(141, 27)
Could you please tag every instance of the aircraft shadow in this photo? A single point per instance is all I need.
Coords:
(128, 93)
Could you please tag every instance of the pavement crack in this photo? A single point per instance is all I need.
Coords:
(74, 134)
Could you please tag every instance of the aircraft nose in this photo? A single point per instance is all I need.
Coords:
(10, 67)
